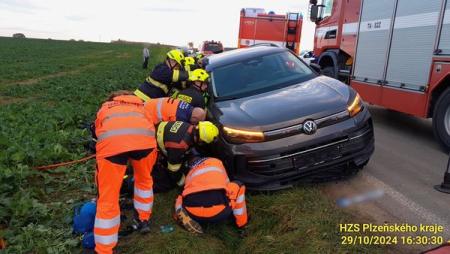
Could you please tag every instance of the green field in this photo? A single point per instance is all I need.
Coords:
(48, 90)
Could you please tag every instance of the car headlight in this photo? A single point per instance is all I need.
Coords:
(243, 136)
(355, 106)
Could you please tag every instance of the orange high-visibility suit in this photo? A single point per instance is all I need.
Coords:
(168, 110)
(123, 133)
(209, 196)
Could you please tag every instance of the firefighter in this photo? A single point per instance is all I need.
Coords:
(197, 93)
(124, 133)
(199, 60)
(169, 109)
(175, 140)
(189, 64)
(164, 110)
(209, 196)
(163, 77)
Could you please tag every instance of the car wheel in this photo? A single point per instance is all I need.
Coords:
(329, 71)
(441, 119)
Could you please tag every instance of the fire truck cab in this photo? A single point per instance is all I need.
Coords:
(395, 53)
(210, 47)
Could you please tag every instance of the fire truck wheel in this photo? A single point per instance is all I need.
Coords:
(329, 71)
(441, 119)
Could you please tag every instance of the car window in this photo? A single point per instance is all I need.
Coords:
(258, 75)
(328, 8)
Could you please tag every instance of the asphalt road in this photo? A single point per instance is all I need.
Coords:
(407, 163)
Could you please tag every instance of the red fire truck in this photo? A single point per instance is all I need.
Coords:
(395, 53)
(210, 47)
(256, 27)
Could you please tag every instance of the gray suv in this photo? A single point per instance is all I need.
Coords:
(281, 122)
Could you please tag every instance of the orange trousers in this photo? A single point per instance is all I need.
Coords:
(109, 179)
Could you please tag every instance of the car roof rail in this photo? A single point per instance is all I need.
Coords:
(266, 44)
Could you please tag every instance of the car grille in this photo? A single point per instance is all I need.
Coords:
(298, 129)
(313, 156)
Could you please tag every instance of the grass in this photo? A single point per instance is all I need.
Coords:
(48, 90)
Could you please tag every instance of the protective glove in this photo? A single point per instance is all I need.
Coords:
(187, 222)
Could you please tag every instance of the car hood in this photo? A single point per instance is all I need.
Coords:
(312, 99)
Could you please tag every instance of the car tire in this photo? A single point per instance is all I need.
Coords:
(441, 120)
(329, 71)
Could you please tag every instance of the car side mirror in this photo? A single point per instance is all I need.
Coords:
(316, 67)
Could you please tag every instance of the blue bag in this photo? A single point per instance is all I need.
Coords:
(88, 241)
(84, 218)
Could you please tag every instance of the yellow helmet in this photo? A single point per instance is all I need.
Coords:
(176, 55)
(189, 60)
(208, 132)
(199, 56)
(198, 75)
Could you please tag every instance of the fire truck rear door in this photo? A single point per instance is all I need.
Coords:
(373, 40)
(413, 40)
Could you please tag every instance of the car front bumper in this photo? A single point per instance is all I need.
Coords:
(278, 164)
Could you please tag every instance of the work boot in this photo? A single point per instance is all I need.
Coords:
(183, 218)
(142, 226)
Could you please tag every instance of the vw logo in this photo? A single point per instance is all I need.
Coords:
(309, 127)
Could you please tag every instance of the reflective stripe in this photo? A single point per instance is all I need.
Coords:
(143, 193)
(142, 95)
(105, 239)
(160, 137)
(206, 170)
(240, 199)
(107, 223)
(126, 131)
(158, 84)
(176, 75)
(158, 109)
(239, 211)
(142, 206)
(127, 114)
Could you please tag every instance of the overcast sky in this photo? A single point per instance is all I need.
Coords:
(167, 21)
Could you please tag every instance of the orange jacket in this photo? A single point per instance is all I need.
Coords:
(122, 126)
(168, 110)
(210, 174)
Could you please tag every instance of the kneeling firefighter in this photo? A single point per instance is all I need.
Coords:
(197, 93)
(163, 77)
(124, 133)
(209, 196)
(175, 140)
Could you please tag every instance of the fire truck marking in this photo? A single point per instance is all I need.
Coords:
(375, 25)
(417, 20)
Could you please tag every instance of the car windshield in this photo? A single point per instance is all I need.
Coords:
(213, 47)
(258, 75)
